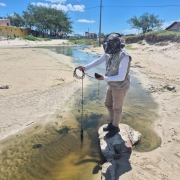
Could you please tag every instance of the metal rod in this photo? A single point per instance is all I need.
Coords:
(82, 114)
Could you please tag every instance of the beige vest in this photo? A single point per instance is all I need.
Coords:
(112, 68)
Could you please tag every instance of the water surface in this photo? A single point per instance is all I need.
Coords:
(55, 151)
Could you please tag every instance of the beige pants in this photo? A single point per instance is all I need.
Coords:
(114, 102)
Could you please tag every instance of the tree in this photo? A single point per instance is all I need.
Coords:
(16, 20)
(43, 19)
(46, 20)
(28, 16)
(146, 22)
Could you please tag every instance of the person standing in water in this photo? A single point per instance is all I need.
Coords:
(117, 76)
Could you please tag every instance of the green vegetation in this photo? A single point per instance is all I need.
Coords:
(32, 38)
(92, 42)
(140, 42)
(146, 22)
(128, 47)
(43, 19)
(154, 37)
(162, 44)
(164, 32)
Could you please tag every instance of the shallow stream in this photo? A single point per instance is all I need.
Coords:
(55, 151)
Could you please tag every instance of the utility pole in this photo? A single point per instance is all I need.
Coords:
(100, 23)
(88, 33)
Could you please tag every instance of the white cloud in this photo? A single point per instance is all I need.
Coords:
(57, 1)
(2, 4)
(41, 4)
(76, 7)
(166, 24)
(85, 21)
(59, 6)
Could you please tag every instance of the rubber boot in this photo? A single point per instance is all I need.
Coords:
(113, 130)
(108, 127)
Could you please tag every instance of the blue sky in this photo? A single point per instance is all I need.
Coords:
(115, 13)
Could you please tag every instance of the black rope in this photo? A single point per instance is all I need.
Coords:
(80, 77)
(82, 112)
(83, 75)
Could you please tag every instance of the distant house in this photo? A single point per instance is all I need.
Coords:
(174, 27)
(7, 30)
(91, 35)
(62, 35)
(13, 31)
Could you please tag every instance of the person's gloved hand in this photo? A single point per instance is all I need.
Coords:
(81, 68)
(99, 76)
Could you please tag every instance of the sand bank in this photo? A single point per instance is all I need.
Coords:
(26, 43)
(40, 82)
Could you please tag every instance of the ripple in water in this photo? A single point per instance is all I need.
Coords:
(55, 151)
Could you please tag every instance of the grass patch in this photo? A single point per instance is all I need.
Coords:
(32, 38)
(164, 33)
(140, 42)
(128, 47)
(91, 42)
(162, 44)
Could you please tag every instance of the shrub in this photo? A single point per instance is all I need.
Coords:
(85, 41)
(140, 42)
(154, 37)
(32, 38)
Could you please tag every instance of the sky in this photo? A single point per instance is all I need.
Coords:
(85, 14)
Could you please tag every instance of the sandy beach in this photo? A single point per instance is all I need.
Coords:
(25, 43)
(41, 82)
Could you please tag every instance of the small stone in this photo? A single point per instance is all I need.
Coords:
(37, 146)
(170, 88)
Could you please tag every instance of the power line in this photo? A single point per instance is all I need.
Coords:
(152, 6)
(142, 6)
(92, 7)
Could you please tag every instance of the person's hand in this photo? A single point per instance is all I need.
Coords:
(101, 78)
(81, 68)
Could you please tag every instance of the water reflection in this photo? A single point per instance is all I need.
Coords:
(138, 110)
(68, 51)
